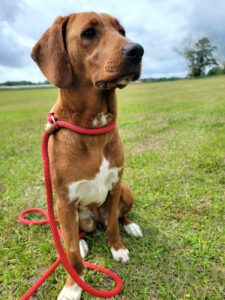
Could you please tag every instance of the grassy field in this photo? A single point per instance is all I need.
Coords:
(175, 163)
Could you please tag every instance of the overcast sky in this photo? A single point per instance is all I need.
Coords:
(159, 25)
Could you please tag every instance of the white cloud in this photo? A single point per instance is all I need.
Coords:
(160, 26)
(30, 73)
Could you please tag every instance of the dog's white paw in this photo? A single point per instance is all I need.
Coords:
(133, 229)
(83, 248)
(72, 292)
(121, 255)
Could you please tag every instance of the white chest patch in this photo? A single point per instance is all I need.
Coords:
(94, 190)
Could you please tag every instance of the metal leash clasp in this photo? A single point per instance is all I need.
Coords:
(52, 125)
(54, 121)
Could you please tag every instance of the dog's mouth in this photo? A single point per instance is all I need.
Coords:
(117, 81)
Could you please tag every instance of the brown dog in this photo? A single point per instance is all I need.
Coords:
(88, 56)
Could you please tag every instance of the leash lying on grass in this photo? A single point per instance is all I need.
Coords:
(54, 125)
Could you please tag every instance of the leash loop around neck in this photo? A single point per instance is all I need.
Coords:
(54, 124)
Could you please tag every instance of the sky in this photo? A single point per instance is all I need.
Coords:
(160, 26)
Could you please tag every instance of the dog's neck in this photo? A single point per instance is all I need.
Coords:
(87, 107)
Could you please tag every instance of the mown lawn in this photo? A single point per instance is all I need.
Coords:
(174, 136)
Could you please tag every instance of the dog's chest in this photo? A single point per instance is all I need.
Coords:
(95, 190)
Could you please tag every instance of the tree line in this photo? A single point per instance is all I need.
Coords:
(22, 82)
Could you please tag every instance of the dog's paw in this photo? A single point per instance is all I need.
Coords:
(133, 229)
(72, 292)
(83, 248)
(121, 255)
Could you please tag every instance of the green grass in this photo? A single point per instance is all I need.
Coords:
(174, 141)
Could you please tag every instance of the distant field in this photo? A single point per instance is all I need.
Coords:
(174, 137)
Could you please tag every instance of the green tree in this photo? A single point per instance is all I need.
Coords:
(199, 56)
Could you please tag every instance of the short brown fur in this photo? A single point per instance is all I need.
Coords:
(87, 74)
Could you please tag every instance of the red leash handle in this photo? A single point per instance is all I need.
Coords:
(33, 222)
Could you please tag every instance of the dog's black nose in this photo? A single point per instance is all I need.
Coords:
(133, 51)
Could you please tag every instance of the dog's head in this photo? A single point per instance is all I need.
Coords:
(88, 48)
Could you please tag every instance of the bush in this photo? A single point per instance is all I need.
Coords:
(216, 71)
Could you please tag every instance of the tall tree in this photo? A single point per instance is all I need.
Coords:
(199, 56)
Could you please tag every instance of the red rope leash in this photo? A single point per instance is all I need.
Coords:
(50, 218)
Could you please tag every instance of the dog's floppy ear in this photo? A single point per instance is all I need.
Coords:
(51, 56)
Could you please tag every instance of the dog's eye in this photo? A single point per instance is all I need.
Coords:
(89, 33)
(122, 32)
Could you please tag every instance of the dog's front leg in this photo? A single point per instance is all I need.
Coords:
(69, 223)
(118, 250)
